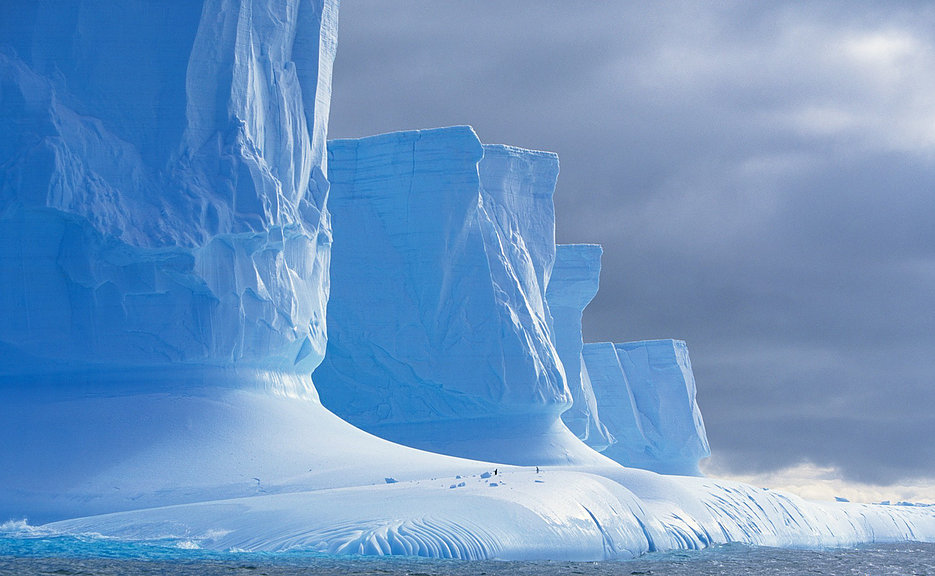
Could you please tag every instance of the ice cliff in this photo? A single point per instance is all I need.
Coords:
(163, 229)
(633, 402)
(645, 394)
(574, 282)
(162, 188)
(439, 331)
(165, 242)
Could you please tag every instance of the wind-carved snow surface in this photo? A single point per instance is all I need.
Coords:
(645, 392)
(164, 253)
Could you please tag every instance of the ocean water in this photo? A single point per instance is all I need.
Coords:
(86, 556)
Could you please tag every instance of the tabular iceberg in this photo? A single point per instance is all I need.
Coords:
(165, 242)
(162, 222)
(645, 392)
(440, 334)
(162, 190)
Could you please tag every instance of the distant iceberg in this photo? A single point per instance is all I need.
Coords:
(166, 264)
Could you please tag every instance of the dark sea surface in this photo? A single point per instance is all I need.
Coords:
(62, 555)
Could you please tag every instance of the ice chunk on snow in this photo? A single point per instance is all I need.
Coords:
(645, 392)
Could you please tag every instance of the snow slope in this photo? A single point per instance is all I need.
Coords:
(595, 514)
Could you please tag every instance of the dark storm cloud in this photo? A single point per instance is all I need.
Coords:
(762, 178)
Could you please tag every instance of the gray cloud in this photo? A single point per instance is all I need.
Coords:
(760, 175)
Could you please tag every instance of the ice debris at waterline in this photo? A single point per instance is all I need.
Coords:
(165, 242)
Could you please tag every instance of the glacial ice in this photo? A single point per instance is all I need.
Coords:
(633, 402)
(162, 187)
(163, 229)
(439, 331)
(165, 242)
(574, 282)
(645, 393)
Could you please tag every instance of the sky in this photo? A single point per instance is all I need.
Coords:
(761, 176)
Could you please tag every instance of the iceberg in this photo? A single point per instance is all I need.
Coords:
(164, 232)
(634, 402)
(574, 282)
(439, 330)
(166, 262)
(162, 191)
(645, 392)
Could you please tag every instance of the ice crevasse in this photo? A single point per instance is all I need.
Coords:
(165, 245)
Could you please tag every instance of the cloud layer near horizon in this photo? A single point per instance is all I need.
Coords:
(760, 176)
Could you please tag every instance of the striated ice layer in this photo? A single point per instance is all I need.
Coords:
(439, 332)
(574, 282)
(645, 392)
(162, 188)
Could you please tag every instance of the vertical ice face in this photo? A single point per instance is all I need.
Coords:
(162, 188)
(164, 247)
(439, 329)
(613, 394)
(645, 392)
(574, 282)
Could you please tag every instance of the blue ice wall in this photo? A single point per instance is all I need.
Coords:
(574, 282)
(162, 189)
(164, 242)
(645, 393)
(439, 331)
